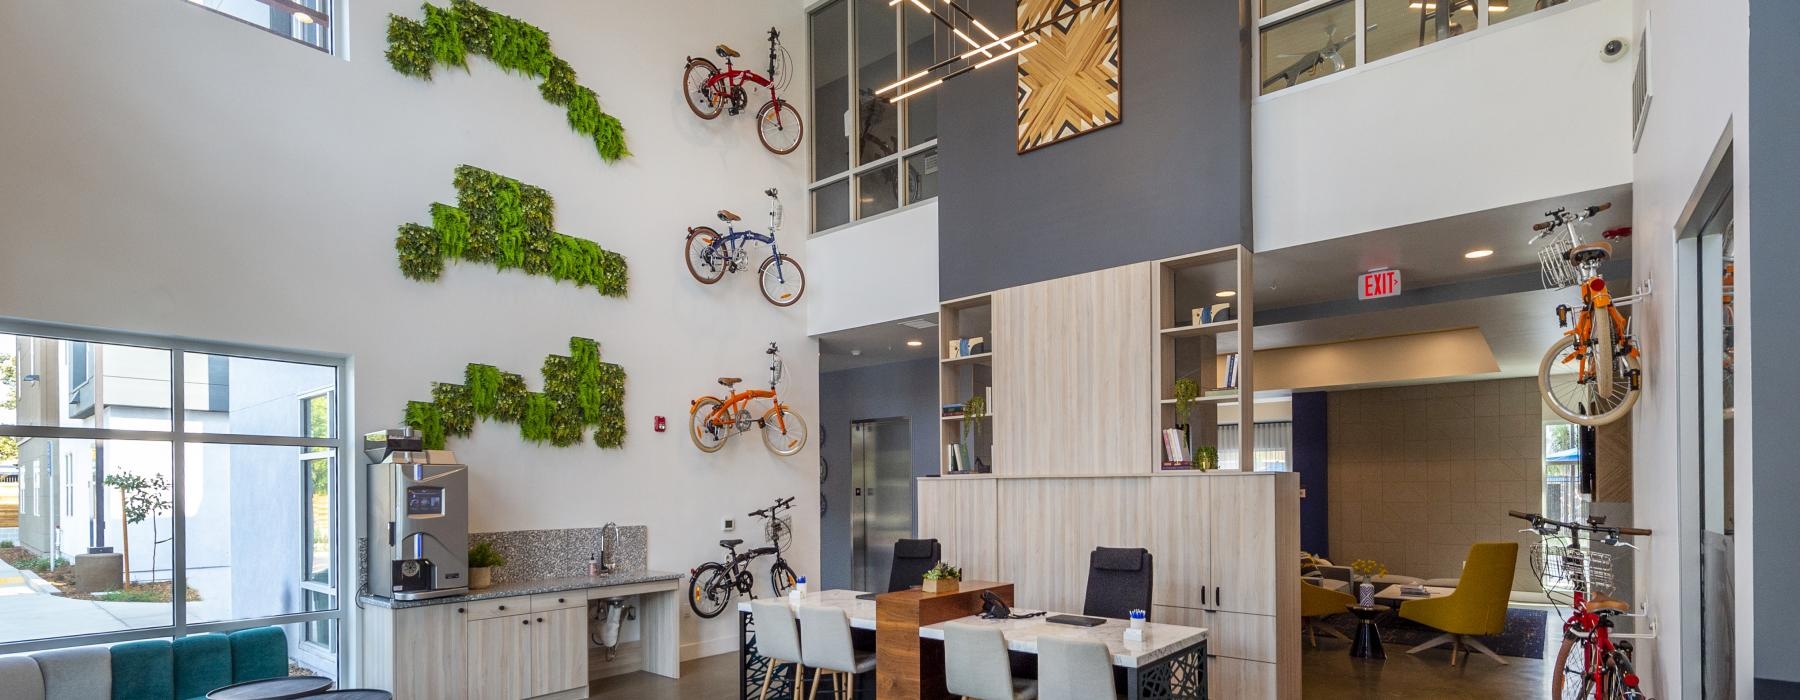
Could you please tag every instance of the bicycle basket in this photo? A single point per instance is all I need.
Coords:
(1553, 262)
(779, 532)
(1572, 568)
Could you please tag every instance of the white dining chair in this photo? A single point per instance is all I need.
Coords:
(1074, 669)
(778, 640)
(825, 646)
(976, 666)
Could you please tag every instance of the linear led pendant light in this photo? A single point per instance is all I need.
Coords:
(1003, 44)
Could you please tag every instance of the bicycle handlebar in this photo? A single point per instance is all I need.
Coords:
(780, 503)
(1599, 208)
(1542, 226)
(1536, 519)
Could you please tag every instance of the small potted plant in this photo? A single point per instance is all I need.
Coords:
(942, 578)
(482, 560)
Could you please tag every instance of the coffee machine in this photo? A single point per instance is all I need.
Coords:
(418, 518)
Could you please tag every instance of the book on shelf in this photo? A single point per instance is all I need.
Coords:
(1219, 313)
(953, 409)
(964, 347)
(953, 457)
(1175, 448)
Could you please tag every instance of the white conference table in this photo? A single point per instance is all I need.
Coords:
(1169, 657)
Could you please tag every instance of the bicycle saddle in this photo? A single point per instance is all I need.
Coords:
(728, 382)
(1602, 602)
(728, 544)
(1601, 250)
(725, 51)
(726, 215)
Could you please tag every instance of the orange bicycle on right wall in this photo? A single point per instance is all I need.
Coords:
(713, 420)
(1591, 376)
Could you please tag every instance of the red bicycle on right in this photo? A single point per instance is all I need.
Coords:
(1594, 661)
(710, 91)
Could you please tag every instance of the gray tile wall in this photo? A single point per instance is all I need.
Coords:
(537, 554)
(1420, 473)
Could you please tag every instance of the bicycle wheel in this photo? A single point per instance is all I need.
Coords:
(1579, 400)
(781, 578)
(707, 436)
(705, 257)
(784, 431)
(782, 282)
(706, 102)
(778, 125)
(710, 590)
(779, 532)
(1603, 351)
(1573, 680)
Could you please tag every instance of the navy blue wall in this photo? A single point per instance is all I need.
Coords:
(1172, 177)
(1310, 460)
(894, 390)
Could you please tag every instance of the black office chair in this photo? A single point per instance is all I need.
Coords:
(1119, 581)
(912, 558)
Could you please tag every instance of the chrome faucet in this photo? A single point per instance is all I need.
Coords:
(609, 538)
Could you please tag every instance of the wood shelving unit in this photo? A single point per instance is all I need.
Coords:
(962, 377)
(1198, 352)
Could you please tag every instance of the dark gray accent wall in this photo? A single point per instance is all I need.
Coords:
(1774, 177)
(1311, 459)
(1172, 177)
(894, 390)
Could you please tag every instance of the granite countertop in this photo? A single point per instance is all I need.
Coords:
(530, 587)
(1160, 640)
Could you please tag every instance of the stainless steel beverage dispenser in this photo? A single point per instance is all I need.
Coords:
(418, 518)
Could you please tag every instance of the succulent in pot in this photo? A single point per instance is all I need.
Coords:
(482, 560)
(942, 578)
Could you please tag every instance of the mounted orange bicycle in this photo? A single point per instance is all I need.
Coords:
(1591, 375)
(713, 420)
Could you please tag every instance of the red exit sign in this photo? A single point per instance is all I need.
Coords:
(1378, 284)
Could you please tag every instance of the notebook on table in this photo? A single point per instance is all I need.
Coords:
(1076, 620)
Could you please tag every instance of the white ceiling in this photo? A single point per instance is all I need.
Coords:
(876, 344)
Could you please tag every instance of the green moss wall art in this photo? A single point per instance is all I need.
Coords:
(448, 35)
(579, 392)
(505, 223)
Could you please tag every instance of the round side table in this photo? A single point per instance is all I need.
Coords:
(1367, 644)
(282, 688)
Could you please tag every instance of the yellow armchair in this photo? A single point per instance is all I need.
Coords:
(1477, 608)
(1317, 602)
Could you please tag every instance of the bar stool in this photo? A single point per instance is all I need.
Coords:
(778, 640)
(825, 646)
(976, 665)
(1074, 669)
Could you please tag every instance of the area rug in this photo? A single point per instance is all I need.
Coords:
(1523, 638)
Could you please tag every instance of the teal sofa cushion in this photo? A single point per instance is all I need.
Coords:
(258, 653)
(143, 670)
(202, 665)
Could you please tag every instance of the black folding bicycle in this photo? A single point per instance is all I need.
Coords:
(712, 585)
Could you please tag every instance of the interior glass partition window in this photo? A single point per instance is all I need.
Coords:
(1313, 45)
(1304, 40)
(870, 155)
(305, 21)
(232, 517)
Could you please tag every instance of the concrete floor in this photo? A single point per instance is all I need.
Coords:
(709, 678)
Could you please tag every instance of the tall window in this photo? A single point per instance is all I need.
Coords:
(204, 480)
(1274, 442)
(305, 21)
(1302, 40)
(870, 155)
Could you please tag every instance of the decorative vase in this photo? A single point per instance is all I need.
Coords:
(480, 577)
(939, 585)
(1365, 592)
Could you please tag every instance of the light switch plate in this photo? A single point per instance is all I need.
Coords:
(728, 524)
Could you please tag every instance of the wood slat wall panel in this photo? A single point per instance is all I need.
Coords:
(1049, 527)
(962, 514)
(1075, 386)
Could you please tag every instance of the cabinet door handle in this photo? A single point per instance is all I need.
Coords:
(1218, 598)
(1202, 596)
(559, 600)
(459, 610)
(527, 622)
(502, 607)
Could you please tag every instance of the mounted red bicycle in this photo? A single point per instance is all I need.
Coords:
(710, 91)
(1594, 661)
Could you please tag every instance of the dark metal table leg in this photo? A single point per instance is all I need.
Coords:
(1179, 676)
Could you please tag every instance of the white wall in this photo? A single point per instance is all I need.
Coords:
(875, 271)
(170, 170)
(1517, 112)
(1699, 78)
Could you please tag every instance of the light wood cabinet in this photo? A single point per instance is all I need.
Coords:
(498, 658)
(559, 650)
(1179, 539)
(1050, 527)
(1242, 680)
(1243, 524)
(416, 652)
(962, 515)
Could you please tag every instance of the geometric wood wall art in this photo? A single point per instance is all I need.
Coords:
(1069, 82)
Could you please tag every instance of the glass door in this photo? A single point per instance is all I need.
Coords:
(1717, 416)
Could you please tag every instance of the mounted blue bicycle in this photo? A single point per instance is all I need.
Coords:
(710, 256)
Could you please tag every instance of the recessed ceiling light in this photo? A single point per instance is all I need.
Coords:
(1225, 293)
(1478, 253)
(303, 18)
(914, 343)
